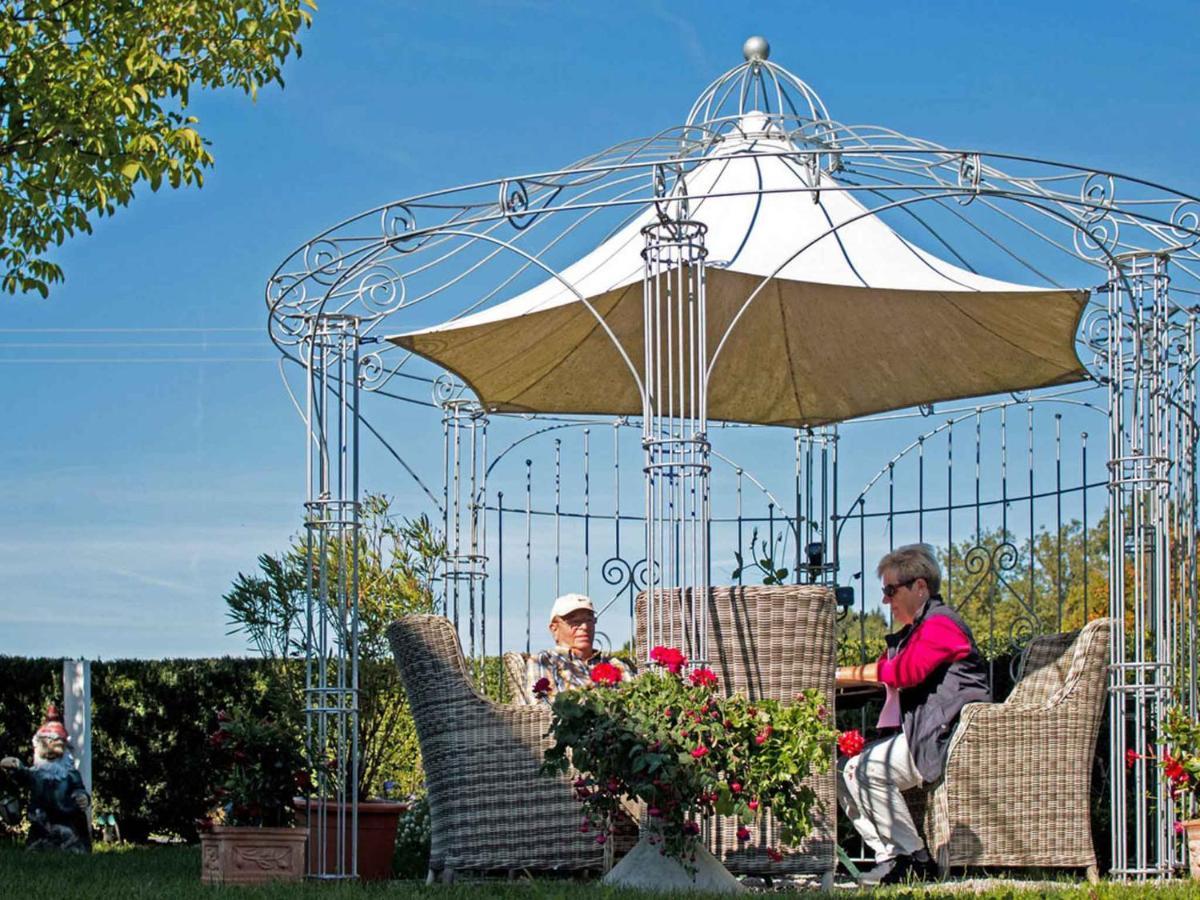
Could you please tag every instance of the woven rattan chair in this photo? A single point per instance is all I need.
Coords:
(768, 642)
(1017, 782)
(490, 808)
(514, 667)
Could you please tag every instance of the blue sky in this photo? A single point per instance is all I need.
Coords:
(136, 488)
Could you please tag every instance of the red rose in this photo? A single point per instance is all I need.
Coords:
(700, 752)
(691, 828)
(606, 673)
(1131, 758)
(704, 678)
(753, 804)
(669, 658)
(851, 743)
(541, 687)
(743, 833)
(736, 787)
(761, 737)
(1174, 770)
(774, 855)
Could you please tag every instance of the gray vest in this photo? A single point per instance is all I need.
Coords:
(929, 711)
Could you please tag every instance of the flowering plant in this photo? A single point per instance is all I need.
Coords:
(1180, 759)
(257, 769)
(677, 744)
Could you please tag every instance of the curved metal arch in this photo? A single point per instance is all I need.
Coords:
(946, 425)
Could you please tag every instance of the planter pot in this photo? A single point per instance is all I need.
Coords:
(242, 855)
(645, 867)
(377, 822)
(1192, 829)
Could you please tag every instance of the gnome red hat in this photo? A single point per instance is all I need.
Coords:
(53, 726)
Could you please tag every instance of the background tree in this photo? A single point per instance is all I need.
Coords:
(93, 99)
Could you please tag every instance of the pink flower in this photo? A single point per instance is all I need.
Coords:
(541, 687)
(1179, 829)
(704, 678)
(600, 839)
(606, 673)
(761, 737)
(753, 804)
(700, 752)
(851, 742)
(743, 833)
(736, 787)
(669, 658)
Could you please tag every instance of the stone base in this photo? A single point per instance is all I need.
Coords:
(646, 868)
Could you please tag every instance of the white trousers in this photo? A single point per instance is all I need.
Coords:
(869, 787)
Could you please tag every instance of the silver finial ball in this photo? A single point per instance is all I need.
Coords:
(756, 48)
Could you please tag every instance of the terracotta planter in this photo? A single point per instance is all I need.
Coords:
(1191, 828)
(243, 855)
(377, 822)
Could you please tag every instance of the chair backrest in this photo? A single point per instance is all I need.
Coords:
(514, 677)
(769, 641)
(1070, 665)
(431, 665)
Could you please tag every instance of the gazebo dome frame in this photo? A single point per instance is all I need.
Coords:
(462, 249)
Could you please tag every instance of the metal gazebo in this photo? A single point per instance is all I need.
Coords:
(763, 264)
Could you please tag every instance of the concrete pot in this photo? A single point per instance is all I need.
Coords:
(245, 855)
(645, 867)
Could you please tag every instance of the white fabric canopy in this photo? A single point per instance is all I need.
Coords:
(847, 317)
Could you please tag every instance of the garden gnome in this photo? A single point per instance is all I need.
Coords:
(58, 803)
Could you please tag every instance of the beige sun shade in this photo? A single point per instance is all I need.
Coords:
(842, 323)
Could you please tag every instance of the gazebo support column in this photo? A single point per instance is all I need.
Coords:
(675, 432)
(1142, 595)
(331, 355)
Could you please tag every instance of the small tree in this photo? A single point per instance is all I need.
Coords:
(396, 567)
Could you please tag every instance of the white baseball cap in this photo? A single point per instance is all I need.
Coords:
(568, 603)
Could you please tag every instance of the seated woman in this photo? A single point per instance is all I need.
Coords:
(569, 664)
(931, 670)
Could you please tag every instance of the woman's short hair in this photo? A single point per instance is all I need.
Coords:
(913, 561)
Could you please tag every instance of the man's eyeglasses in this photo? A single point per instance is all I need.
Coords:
(889, 590)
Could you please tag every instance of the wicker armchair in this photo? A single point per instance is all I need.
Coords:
(1017, 781)
(514, 667)
(490, 808)
(769, 642)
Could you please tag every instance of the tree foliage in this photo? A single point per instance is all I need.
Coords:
(93, 102)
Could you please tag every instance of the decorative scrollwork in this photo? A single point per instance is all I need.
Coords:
(446, 389)
(1098, 240)
(396, 220)
(371, 371)
(1185, 222)
(324, 261)
(1097, 196)
(381, 289)
(514, 203)
(970, 171)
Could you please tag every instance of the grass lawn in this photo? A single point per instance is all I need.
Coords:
(132, 873)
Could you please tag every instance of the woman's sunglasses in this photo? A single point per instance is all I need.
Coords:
(889, 590)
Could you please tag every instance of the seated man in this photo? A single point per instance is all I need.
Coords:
(931, 670)
(569, 664)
